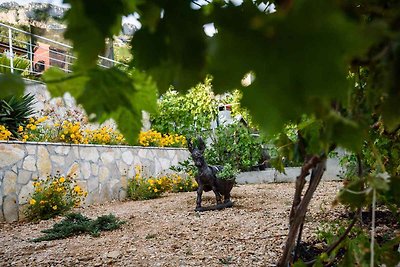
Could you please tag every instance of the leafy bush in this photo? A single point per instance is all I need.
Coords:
(14, 112)
(186, 114)
(53, 196)
(76, 224)
(187, 167)
(228, 172)
(235, 145)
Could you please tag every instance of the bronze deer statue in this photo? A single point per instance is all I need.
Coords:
(207, 179)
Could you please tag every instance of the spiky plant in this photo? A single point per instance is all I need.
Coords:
(16, 111)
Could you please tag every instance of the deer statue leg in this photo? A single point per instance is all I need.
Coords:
(217, 195)
(199, 194)
(227, 198)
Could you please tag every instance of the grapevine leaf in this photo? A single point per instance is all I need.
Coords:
(106, 91)
(390, 110)
(129, 123)
(344, 132)
(351, 195)
(394, 189)
(145, 95)
(58, 82)
(162, 49)
(11, 84)
(90, 22)
(301, 69)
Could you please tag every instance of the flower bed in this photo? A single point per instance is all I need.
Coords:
(101, 171)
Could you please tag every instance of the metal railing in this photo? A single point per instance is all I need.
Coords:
(37, 53)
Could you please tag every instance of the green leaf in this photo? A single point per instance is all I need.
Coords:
(353, 194)
(10, 85)
(58, 82)
(90, 22)
(298, 68)
(390, 109)
(394, 189)
(145, 94)
(344, 132)
(106, 91)
(161, 45)
(129, 123)
(378, 183)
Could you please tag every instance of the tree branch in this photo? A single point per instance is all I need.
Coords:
(301, 209)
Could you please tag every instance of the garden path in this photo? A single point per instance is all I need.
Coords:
(167, 232)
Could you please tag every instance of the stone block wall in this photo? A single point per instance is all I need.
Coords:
(102, 171)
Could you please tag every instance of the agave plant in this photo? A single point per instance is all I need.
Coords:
(16, 111)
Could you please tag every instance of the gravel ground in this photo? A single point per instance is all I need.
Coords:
(167, 231)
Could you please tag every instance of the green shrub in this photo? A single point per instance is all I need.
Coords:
(53, 196)
(235, 145)
(228, 172)
(76, 224)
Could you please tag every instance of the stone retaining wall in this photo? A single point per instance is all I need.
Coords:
(100, 170)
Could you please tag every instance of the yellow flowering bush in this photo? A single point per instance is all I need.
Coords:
(33, 130)
(4, 133)
(140, 188)
(71, 132)
(182, 184)
(54, 195)
(156, 139)
(68, 132)
(105, 136)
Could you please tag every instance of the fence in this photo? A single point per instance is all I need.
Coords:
(31, 54)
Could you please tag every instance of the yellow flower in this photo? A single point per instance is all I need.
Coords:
(33, 127)
(54, 207)
(32, 202)
(62, 180)
(42, 202)
(155, 190)
(77, 188)
(20, 128)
